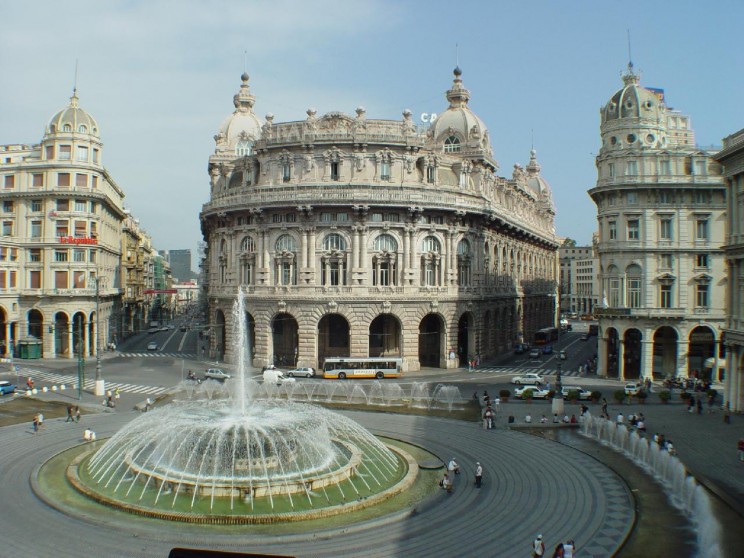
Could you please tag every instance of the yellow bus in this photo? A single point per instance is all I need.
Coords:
(347, 367)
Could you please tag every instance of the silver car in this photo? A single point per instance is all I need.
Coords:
(528, 379)
(216, 374)
(304, 371)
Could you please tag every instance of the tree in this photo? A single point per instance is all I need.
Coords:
(569, 243)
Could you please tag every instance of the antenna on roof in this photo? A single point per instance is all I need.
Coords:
(457, 55)
(74, 87)
(532, 138)
(630, 57)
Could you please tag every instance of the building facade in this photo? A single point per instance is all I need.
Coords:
(661, 216)
(579, 284)
(180, 264)
(60, 244)
(357, 237)
(732, 158)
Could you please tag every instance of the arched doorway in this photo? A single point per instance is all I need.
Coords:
(78, 334)
(384, 336)
(466, 338)
(250, 328)
(284, 339)
(333, 337)
(4, 345)
(665, 352)
(62, 334)
(632, 354)
(431, 333)
(701, 346)
(612, 364)
(36, 326)
(219, 339)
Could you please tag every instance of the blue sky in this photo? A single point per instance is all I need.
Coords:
(159, 78)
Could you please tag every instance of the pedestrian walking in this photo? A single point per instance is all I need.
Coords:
(40, 418)
(478, 474)
(70, 417)
(538, 547)
(77, 413)
(36, 423)
(453, 468)
(558, 552)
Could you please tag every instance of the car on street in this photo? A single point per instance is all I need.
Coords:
(520, 349)
(537, 393)
(633, 388)
(153, 330)
(152, 346)
(562, 355)
(547, 350)
(584, 394)
(216, 374)
(6, 387)
(535, 353)
(183, 328)
(304, 371)
(584, 337)
(528, 379)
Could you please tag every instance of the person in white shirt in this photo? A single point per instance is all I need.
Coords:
(620, 418)
(528, 418)
(568, 549)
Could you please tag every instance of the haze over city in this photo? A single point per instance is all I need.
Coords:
(159, 78)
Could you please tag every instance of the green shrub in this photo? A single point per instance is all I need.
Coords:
(596, 396)
(528, 393)
(504, 394)
(665, 395)
(619, 395)
(572, 395)
(642, 395)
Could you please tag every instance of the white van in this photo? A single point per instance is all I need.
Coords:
(273, 375)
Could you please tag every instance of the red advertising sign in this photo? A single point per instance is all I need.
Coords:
(77, 240)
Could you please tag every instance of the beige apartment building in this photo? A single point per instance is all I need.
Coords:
(352, 236)
(661, 212)
(579, 285)
(732, 158)
(60, 241)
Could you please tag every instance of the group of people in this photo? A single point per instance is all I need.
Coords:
(73, 413)
(453, 469)
(37, 422)
(562, 549)
(556, 419)
(89, 435)
(664, 444)
(111, 398)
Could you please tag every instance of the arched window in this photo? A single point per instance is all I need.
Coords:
(83, 129)
(286, 243)
(452, 144)
(244, 148)
(385, 243)
(334, 242)
(431, 262)
(67, 128)
(248, 245)
(463, 248)
(431, 244)
(285, 264)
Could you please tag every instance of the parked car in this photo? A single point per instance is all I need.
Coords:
(537, 393)
(153, 330)
(6, 387)
(547, 350)
(535, 353)
(633, 388)
(520, 350)
(183, 328)
(562, 355)
(528, 379)
(584, 337)
(216, 374)
(152, 346)
(584, 395)
(305, 371)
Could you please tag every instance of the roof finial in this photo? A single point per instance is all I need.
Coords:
(74, 98)
(457, 54)
(532, 139)
(245, 61)
(630, 57)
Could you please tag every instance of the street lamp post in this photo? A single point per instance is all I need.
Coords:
(558, 397)
(100, 388)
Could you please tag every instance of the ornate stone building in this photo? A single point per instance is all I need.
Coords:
(358, 237)
(732, 157)
(60, 244)
(661, 217)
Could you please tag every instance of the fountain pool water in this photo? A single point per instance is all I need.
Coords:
(241, 452)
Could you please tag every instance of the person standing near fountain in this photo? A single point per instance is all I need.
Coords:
(478, 474)
(454, 469)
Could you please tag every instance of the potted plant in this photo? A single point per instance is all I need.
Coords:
(572, 396)
(527, 395)
(551, 394)
(596, 396)
(619, 395)
(504, 395)
(642, 395)
(665, 395)
(684, 396)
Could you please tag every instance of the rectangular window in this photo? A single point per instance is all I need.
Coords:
(665, 296)
(37, 180)
(60, 255)
(291, 218)
(326, 217)
(665, 197)
(700, 167)
(65, 152)
(334, 274)
(430, 175)
(78, 280)
(81, 180)
(3, 275)
(612, 229)
(92, 257)
(666, 229)
(611, 170)
(701, 296)
(376, 218)
(665, 168)
(49, 152)
(335, 175)
(286, 175)
(60, 279)
(34, 255)
(95, 155)
(81, 206)
(701, 229)
(63, 179)
(277, 218)
(63, 227)
(8, 206)
(12, 279)
(634, 292)
(93, 229)
(35, 229)
(385, 274)
(632, 198)
(36, 206)
(342, 217)
(34, 279)
(667, 261)
(13, 254)
(82, 153)
(9, 181)
(63, 205)
(78, 255)
(631, 168)
(392, 217)
(95, 182)
(385, 171)
(614, 292)
(286, 273)
(634, 229)
(701, 260)
(701, 197)
(81, 229)
(7, 228)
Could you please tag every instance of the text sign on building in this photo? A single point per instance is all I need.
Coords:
(77, 240)
(161, 291)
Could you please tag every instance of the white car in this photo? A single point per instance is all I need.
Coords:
(152, 346)
(633, 388)
(216, 374)
(584, 394)
(535, 353)
(528, 379)
(537, 393)
(305, 371)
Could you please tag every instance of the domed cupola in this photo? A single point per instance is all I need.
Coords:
(239, 131)
(72, 120)
(536, 183)
(458, 128)
(634, 117)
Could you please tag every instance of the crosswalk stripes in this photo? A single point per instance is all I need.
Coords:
(157, 355)
(70, 380)
(513, 370)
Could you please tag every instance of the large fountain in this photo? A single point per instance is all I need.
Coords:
(241, 455)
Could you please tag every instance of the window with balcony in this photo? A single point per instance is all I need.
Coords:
(60, 255)
(634, 286)
(665, 296)
(464, 261)
(701, 295)
(430, 261)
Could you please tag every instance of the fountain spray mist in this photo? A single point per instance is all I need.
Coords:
(242, 344)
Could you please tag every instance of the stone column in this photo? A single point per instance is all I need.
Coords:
(70, 342)
(303, 248)
(311, 256)
(647, 355)
(406, 255)
(621, 359)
